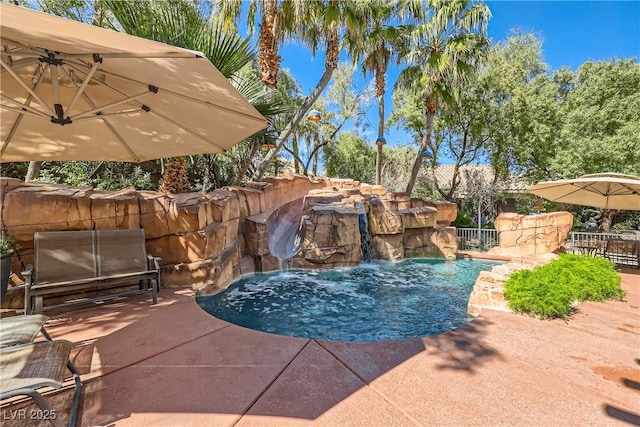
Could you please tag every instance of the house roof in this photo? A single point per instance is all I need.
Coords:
(476, 175)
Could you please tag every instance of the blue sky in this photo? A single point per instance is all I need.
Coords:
(572, 32)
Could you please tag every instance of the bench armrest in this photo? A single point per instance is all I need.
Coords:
(153, 262)
(27, 274)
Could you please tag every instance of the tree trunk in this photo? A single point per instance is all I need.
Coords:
(296, 161)
(284, 135)
(607, 219)
(33, 171)
(380, 135)
(314, 156)
(244, 166)
(426, 137)
(268, 58)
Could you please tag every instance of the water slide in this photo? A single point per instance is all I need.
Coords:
(286, 230)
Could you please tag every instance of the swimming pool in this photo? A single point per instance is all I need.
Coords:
(375, 301)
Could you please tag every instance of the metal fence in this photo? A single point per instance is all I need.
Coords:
(472, 239)
(622, 249)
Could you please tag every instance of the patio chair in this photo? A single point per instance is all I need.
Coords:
(27, 366)
(21, 329)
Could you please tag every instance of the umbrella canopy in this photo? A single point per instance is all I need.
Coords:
(72, 91)
(601, 190)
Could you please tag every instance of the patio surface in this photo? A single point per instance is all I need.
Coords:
(174, 365)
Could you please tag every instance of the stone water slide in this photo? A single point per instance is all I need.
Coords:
(286, 230)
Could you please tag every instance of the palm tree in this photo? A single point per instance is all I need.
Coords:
(441, 52)
(317, 22)
(182, 23)
(274, 29)
(374, 47)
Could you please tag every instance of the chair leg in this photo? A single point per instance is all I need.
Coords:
(27, 299)
(78, 384)
(39, 306)
(154, 291)
(76, 394)
(46, 408)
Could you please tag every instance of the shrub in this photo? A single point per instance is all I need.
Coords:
(7, 243)
(551, 290)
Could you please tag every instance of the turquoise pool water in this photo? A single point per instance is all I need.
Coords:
(375, 301)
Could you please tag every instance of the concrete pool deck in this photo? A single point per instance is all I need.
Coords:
(174, 365)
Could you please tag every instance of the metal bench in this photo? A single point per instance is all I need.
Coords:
(623, 252)
(69, 263)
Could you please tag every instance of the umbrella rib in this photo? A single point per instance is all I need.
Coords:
(23, 84)
(83, 86)
(20, 63)
(25, 50)
(197, 135)
(155, 112)
(115, 133)
(122, 141)
(189, 98)
(21, 114)
(24, 111)
(102, 115)
(111, 105)
(24, 108)
(217, 106)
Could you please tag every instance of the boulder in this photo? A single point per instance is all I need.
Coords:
(247, 265)
(250, 201)
(403, 199)
(447, 211)
(115, 211)
(45, 207)
(332, 236)
(388, 246)
(422, 217)
(520, 235)
(191, 246)
(224, 205)
(383, 217)
(207, 276)
(256, 235)
(439, 242)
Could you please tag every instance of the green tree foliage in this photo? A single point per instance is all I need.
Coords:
(441, 52)
(100, 175)
(350, 157)
(396, 167)
(600, 120)
(518, 106)
(561, 125)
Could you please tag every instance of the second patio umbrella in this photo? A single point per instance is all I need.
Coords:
(601, 190)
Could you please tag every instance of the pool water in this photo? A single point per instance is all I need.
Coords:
(375, 301)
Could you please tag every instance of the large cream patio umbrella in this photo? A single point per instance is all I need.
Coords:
(600, 190)
(72, 91)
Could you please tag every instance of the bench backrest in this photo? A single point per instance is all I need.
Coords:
(619, 246)
(121, 251)
(64, 255)
(76, 255)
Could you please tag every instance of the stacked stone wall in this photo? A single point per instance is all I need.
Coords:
(521, 235)
(208, 240)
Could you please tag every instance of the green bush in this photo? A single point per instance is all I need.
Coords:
(463, 220)
(549, 291)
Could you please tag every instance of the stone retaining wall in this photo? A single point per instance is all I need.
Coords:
(208, 240)
(521, 235)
